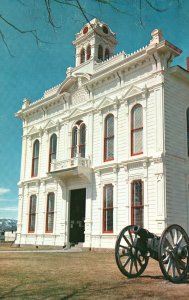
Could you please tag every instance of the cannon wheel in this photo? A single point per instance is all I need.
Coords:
(173, 253)
(130, 261)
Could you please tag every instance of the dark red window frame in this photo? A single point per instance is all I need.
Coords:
(35, 159)
(82, 139)
(134, 130)
(32, 213)
(107, 209)
(52, 149)
(74, 141)
(78, 139)
(50, 213)
(108, 138)
(139, 206)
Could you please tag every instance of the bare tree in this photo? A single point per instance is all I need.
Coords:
(119, 6)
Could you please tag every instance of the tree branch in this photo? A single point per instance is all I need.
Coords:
(49, 12)
(5, 43)
(155, 8)
(33, 32)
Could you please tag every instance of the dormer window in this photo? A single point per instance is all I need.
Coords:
(82, 56)
(100, 52)
(88, 52)
(107, 53)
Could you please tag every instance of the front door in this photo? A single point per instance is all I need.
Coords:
(77, 215)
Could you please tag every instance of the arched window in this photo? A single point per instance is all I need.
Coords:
(109, 138)
(100, 52)
(74, 141)
(82, 136)
(52, 149)
(137, 205)
(136, 130)
(32, 213)
(35, 159)
(88, 52)
(82, 56)
(78, 139)
(187, 120)
(50, 213)
(108, 209)
(107, 53)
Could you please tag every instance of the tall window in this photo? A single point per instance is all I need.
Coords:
(107, 54)
(100, 52)
(88, 52)
(50, 213)
(136, 130)
(74, 141)
(32, 213)
(52, 149)
(137, 206)
(109, 138)
(35, 159)
(108, 209)
(187, 118)
(82, 135)
(78, 139)
(82, 56)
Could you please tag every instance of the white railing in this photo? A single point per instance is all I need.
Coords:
(70, 163)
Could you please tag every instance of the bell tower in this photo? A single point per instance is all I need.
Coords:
(95, 41)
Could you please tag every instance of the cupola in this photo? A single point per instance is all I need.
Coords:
(94, 41)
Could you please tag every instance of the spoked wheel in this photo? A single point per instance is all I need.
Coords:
(173, 253)
(130, 261)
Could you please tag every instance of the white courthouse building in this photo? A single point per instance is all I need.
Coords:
(107, 147)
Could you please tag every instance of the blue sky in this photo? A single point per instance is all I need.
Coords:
(33, 69)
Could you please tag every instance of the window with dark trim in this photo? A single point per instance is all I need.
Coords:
(107, 54)
(82, 56)
(52, 149)
(88, 52)
(108, 208)
(187, 120)
(137, 130)
(50, 213)
(82, 135)
(100, 52)
(32, 213)
(137, 205)
(78, 139)
(109, 138)
(35, 159)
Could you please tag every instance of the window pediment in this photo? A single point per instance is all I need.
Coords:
(76, 112)
(105, 103)
(51, 125)
(33, 131)
(133, 91)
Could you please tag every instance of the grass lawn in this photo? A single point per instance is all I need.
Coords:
(84, 275)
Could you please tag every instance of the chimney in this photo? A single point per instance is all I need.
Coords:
(187, 64)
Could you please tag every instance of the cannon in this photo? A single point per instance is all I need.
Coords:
(135, 245)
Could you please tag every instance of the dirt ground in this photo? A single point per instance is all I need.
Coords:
(84, 275)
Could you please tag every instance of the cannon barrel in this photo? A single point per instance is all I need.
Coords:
(143, 233)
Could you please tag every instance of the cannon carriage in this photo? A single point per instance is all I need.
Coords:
(135, 245)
